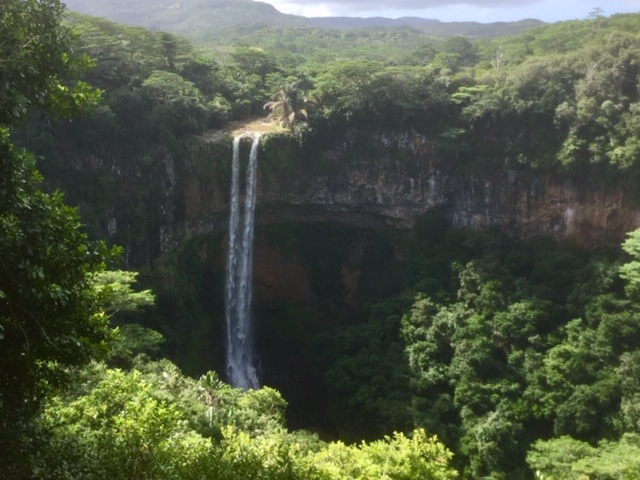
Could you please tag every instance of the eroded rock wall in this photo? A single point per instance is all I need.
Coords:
(394, 181)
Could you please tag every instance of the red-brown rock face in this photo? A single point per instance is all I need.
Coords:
(404, 181)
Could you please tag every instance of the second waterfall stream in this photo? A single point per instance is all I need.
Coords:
(241, 367)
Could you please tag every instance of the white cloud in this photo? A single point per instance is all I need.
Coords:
(313, 8)
(373, 5)
(456, 10)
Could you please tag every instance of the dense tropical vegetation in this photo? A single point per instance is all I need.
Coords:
(522, 357)
(559, 97)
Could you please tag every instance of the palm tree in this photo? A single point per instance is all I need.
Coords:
(288, 106)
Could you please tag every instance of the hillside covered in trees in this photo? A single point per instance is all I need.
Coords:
(560, 97)
(425, 353)
(230, 21)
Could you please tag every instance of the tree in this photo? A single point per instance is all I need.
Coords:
(114, 286)
(253, 60)
(466, 52)
(596, 13)
(344, 88)
(630, 271)
(118, 298)
(37, 67)
(50, 317)
(180, 104)
(288, 106)
(125, 427)
(565, 457)
(399, 457)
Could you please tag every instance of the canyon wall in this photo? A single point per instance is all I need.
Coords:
(390, 184)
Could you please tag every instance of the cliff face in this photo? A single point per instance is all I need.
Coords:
(360, 179)
(391, 183)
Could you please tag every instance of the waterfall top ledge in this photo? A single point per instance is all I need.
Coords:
(247, 128)
(254, 126)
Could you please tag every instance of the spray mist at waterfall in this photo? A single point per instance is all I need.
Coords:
(241, 369)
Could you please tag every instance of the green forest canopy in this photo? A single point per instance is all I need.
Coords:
(518, 356)
(559, 97)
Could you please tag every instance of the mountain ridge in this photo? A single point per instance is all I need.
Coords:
(207, 20)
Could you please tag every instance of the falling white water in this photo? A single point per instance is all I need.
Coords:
(241, 370)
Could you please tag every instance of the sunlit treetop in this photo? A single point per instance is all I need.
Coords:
(38, 66)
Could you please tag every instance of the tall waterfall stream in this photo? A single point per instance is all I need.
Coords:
(241, 369)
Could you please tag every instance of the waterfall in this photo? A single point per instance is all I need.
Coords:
(241, 370)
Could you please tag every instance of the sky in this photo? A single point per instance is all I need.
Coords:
(484, 11)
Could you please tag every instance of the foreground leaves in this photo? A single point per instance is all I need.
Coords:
(156, 423)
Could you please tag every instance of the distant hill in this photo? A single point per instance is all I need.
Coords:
(210, 20)
(191, 18)
(343, 23)
(428, 25)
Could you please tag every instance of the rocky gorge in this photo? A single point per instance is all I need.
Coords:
(364, 180)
